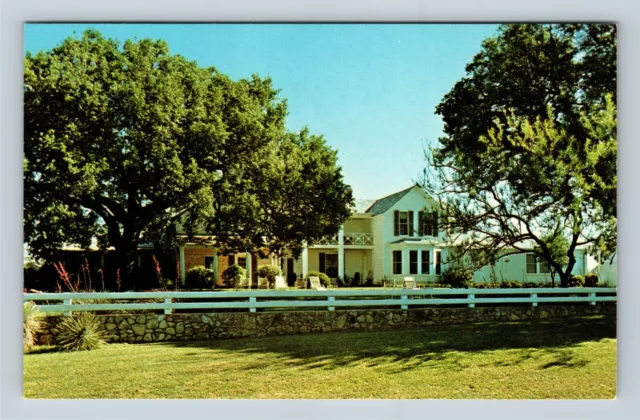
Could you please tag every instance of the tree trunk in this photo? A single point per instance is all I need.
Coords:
(565, 276)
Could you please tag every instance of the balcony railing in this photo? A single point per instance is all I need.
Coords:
(351, 238)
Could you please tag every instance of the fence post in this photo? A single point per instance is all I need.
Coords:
(471, 297)
(403, 300)
(167, 310)
(332, 299)
(67, 302)
(534, 296)
(592, 295)
(252, 299)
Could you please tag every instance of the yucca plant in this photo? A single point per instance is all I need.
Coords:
(32, 323)
(80, 332)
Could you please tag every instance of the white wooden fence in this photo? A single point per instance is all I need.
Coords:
(316, 299)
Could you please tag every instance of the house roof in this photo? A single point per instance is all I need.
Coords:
(385, 203)
(361, 206)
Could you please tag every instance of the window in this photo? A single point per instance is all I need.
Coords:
(397, 262)
(437, 262)
(428, 223)
(425, 262)
(535, 265)
(413, 262)
(404, 223)
(242, 261)
(331, 265)
(531, 264)
(208, 262)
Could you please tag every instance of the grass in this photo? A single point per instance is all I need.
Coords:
(568, 358)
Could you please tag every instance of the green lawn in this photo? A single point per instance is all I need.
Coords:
(570, 358)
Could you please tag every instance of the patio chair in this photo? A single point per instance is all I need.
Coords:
(280, 283)
(409, 283)
(315, 283)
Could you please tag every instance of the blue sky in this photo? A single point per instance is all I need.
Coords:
(371, 90)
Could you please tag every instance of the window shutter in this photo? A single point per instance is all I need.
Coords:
(435, 223)
(396, 223)
(232, 260)
(420, 223)
(410, 223)
(322, 264)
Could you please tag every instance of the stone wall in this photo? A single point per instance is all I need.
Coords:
(183, 327)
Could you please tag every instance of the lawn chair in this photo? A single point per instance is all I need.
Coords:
(409, 283)
(315, 283)
(263, 283)
(280, 283)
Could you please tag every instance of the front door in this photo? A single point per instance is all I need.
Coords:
(289, 267)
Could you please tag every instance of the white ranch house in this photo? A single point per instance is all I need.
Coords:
(392, 237)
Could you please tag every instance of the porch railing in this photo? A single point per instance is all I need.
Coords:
(350, 238)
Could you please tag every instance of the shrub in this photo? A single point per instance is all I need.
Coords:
(324, 279)
(486, 286)
(199, 277)
(80, 332)
(437, 285)
(458, 277)
(234, 275)
(269, 272)
(510, 284)
(356, 280)
(32, 323)
(591, 280)
(576, 281)
(291, 279)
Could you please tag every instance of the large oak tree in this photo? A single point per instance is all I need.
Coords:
(529, 152)
(123, 141)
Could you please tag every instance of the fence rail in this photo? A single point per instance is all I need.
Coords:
(318, 299)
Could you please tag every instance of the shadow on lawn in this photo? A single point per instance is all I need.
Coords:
(550, 342)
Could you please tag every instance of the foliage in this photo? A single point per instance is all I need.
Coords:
(291, 279)
(234, 276)
(591, 280)
(527, 68)
(458, 277)
(269, 272)
(324, 279)
(576, 281)
(79, 332)
(542, 199)
(32, 323)
(530, 146)
(129, 143)
(295, 177)
(438, 285)
(199, 277)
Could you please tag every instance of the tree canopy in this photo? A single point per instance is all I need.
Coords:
(122, 141)
(525, 69)
(528, 157)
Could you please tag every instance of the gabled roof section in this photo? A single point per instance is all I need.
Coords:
(382, 205)
(361, 206)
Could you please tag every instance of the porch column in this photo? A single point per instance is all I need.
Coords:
(182, 274)
(214, 266)
(305, 260)
(341, 252)
(432, 256)
(248, 266)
